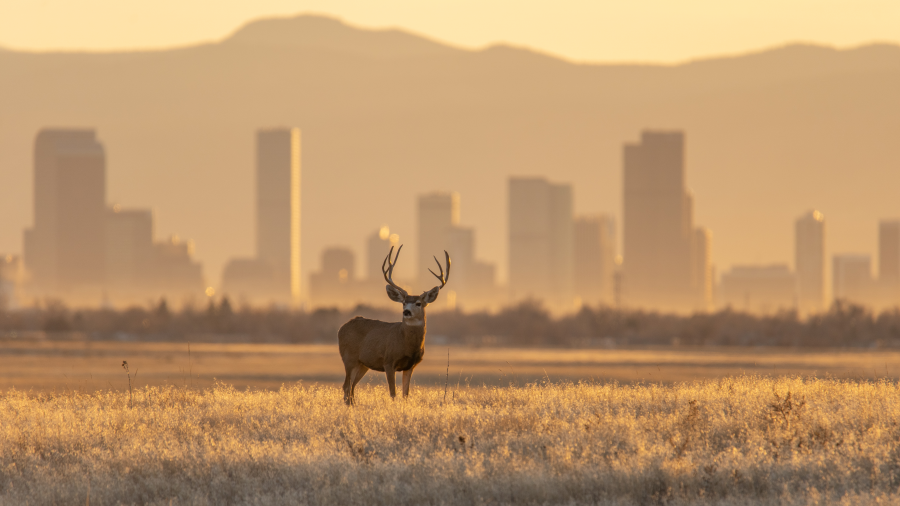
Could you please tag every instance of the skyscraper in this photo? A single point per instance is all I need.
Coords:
(438, 215)
(278, 207)
(594, 257)
(65, 248)
(889, 261)
(810, 261)
(540, 242)
(703, 269)
(129, 248)
(759, 288)
(658, 228)
(852, 278)
(334, 284)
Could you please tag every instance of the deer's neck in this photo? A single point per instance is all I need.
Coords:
(414, 335)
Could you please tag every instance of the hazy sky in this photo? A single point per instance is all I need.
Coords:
(584, 30)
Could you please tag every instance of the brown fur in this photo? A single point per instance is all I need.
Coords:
(390, 347)
(382, 346)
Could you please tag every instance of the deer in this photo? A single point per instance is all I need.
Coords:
(388, 347)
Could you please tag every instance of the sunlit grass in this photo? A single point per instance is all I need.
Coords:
(733, 441)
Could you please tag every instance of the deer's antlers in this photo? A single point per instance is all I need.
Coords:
(443, 279)
(389, 270)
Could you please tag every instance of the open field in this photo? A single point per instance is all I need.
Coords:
(740, 440)
(88, 366)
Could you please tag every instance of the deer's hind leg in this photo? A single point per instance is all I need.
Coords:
(361, 371)
(354, 374)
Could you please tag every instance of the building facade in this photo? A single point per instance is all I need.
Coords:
(65, 249)
(852, 278)
(657, 224)
(278, 177)
(810, 262)
(594, 259)
(541, 228)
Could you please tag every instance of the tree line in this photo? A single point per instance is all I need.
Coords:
(525, 324)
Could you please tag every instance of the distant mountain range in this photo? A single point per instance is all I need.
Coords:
(387, 115)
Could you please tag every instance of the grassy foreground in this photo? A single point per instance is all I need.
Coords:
(741, 440)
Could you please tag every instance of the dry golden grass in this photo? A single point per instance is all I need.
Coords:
(740, 440)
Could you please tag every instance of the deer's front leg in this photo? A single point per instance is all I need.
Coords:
(407, 375)
(391, 376)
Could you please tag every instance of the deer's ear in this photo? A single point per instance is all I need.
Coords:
(395, 295)
(431, 295)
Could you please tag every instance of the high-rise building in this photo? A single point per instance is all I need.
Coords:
(129, 248)
(249, 280)
(173, 272)
(658, 228)
(852, 278)
(762, 289)
(438, 216)
(540, 242)
(278, 207)
(594, 259)
(10, 277)
(334, 283)
(810, 262)
(65, 248)
(439, 231)
(703, 268)
(889, 261)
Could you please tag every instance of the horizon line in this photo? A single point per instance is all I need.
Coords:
(469, 49)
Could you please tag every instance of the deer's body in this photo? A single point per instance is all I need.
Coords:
(374, 344)
(384, 346)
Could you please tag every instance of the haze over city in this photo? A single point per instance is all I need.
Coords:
(450, 252)
(389, 116)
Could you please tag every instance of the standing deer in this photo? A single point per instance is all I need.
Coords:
(389, 347)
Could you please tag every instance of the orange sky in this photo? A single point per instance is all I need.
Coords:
(583, 30)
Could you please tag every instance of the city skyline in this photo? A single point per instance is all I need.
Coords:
(187, 151)
(553, 250)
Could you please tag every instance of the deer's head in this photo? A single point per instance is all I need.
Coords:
(413, 305)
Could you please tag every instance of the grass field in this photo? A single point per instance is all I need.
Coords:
(500, 426)
(740, 440)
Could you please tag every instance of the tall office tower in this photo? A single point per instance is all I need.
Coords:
(129, 248)
(889, 261)
(702, 268)
(540, 242)
(438, 215)
(852, 278)
(65, 248)
(658, 224)
(377, 247)
(10, 276)
(173, 272)
(810, 261)
(762, 289)
(278, 207)
(594, 259)
(332, 285)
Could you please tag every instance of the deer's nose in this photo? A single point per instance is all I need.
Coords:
(407, 312)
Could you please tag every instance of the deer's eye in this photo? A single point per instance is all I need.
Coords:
(419, 304)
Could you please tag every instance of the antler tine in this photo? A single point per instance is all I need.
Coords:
(443, 279)
(389, 272)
